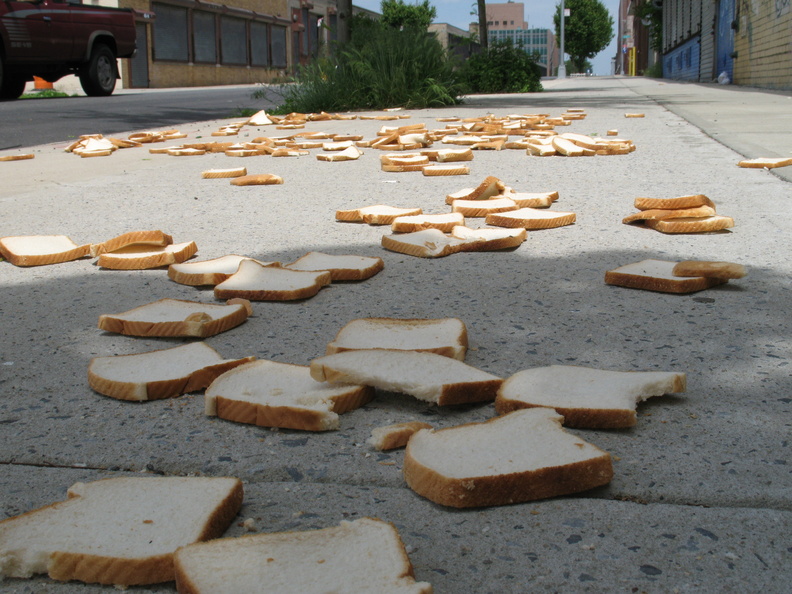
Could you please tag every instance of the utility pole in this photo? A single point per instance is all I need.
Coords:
(561, 62)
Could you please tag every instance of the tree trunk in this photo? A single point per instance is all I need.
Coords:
(482, 19)
(344, 16)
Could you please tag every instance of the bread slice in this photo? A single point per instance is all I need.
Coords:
(271, 394)
(395, 436)
(481, 208)
(710, 269)
(141, 256)
(174, 317)
(224, 173)
(120, 531)
(522, 456)
(485, 240)
(429, 243)
(366, 555)
(532, 199)
(442, 336)
(159, 374)
(255, 282)
(692, 225)
(445, 169)
(691, 201)
(262, 179)
(586, 397)
(351, 153)
(340, 267)
(766, 162)
(426, 376)
(675, 213)
(209, 272)
(491, 186)
(379, 214)
(151, 238)
(443, 222)
(41, 250)
(658, 275)
(531, 218)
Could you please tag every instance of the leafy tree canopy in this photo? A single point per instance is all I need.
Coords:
(588, 30)
(398, 14)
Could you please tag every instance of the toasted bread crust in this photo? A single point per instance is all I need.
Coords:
(586, 418)
(649, 283)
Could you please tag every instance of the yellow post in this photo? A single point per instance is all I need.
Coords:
(631, 62)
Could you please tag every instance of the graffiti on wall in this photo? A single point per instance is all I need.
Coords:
(782, 7)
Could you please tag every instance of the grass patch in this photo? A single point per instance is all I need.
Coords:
(45, 94)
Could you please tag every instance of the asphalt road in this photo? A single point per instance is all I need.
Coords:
(30, 122)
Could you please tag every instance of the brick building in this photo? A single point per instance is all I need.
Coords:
(750, 41)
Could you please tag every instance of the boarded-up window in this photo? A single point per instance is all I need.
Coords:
(170, 33)
(204, 37)
(233, 40)
(278, 46)
(259, 44)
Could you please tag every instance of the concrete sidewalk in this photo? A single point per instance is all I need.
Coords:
(702, 492)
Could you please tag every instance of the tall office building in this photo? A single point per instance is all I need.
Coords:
(507, 21)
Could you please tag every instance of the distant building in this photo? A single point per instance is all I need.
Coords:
(457, 41)
(506, 21)
(635, 56)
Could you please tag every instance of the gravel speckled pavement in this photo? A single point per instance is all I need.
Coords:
(702, 492)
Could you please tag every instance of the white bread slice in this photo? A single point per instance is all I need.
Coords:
(366, 555)
(341, 267)
(259, 118)
(485, 240)
(351, 153)
(491, 186)
(175, 317)
(674, 213)
(532, 199)
(586, 397)
(379, 214)
(159, 374)
(41, 250)
(271, 394)
(255, 282)
(223, 173)
(709, 269)
(445, 169)
(453, 155)
(262, 179)
(569, 148)
(209, 272)
(429, 243)
(153, 237)
(426, 376)
(766, 162)
(691, 225)
(141, 257)
(444, 222)
(120, 531)
(658, 275)
(442, 336)
(481, 208)
(522, 456)
(691, 201)
(395, 436)
(531, 218)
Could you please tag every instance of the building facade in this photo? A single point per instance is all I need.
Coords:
(505, 21)
(747, 42)
(635, 54)
(197, 43)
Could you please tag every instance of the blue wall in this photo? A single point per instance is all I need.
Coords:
(683, 62)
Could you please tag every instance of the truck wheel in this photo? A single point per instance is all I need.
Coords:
(11, 85)
(98, 77)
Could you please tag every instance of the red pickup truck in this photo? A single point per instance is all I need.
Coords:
(53, 38)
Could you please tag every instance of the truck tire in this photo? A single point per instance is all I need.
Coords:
(11, 85)
(98, 77)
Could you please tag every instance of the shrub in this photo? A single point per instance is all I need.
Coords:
(502, 68)
(381, 67)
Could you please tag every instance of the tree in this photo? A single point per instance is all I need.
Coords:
(483, 28)
(588, 30)
(397, 14)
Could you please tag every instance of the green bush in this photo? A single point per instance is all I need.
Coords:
(502, 68)
(381, 67)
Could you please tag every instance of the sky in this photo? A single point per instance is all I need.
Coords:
(538, 13)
